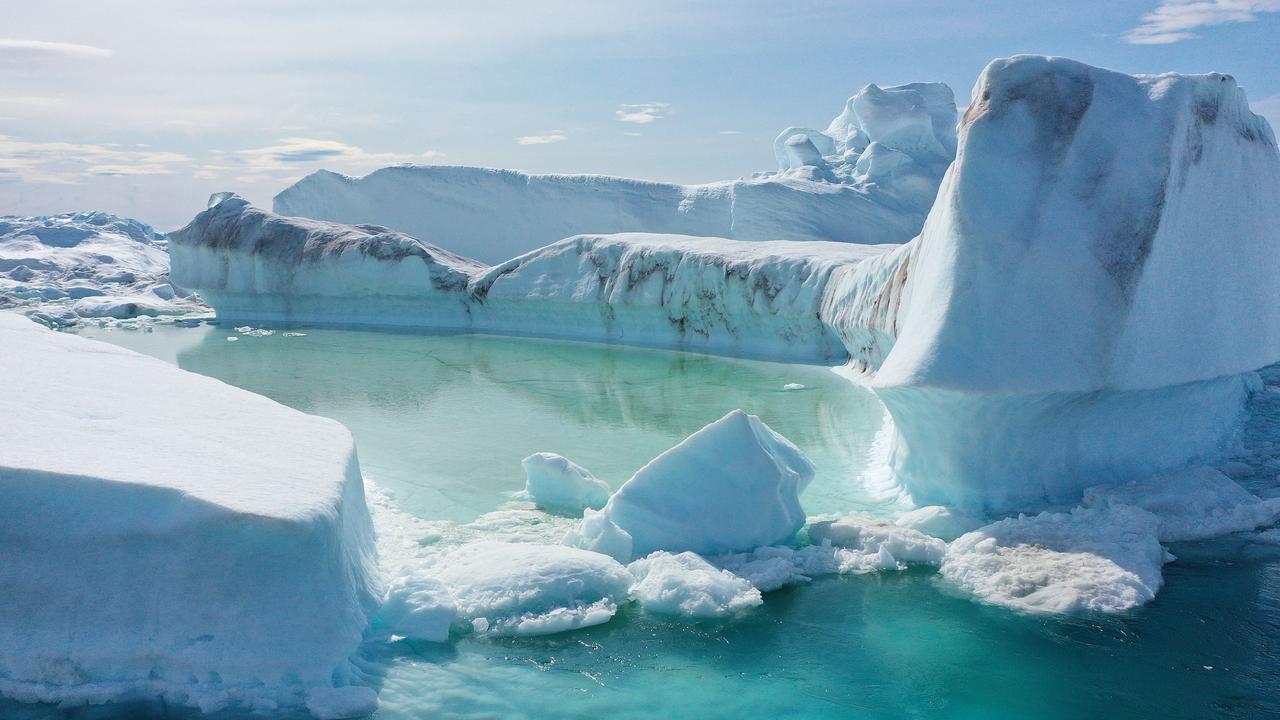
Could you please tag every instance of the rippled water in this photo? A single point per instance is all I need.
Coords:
(443, 421)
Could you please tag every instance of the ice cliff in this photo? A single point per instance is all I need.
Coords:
(61, 269)
(220, 558)
(869, 179)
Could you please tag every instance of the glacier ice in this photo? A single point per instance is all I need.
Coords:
(686, 584)
(940, 521)
(222, 558)
(62, 269)
(493, 215)
(557, 483)
(732, 486)
(522, 588)
(417, 606)
(890, 544)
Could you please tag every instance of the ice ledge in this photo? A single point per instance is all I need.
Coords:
(165, 535)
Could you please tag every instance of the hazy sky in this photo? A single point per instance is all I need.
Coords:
(145, 108)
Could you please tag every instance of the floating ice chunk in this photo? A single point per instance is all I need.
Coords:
(554, 482)
(340, 703)
(793, 386)
(730, 487)
(686, 584)
(1193, 504)
(1087, 560)
(888, 543)
(940, 521)
(418, 607)
(599, 534)
(533, 589)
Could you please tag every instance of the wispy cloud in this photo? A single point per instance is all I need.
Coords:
(730, 132)
(289, 156)
(1176, 20)
(65, 163)
(541, 139)
(643, 113)
(12, 48)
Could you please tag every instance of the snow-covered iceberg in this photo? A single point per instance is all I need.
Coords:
(61, 269)
(166, 536)
(869, 179)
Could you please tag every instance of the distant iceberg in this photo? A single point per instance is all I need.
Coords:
(870, 179)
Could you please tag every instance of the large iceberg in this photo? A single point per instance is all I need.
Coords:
(869, 179)
(62, 269)
(164, 536)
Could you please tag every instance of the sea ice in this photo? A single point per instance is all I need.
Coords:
(556, 483)
(890, 543)
(1191, 504)
(732, 486)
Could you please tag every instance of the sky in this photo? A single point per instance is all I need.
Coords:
(145, 108)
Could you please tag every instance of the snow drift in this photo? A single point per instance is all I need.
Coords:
(870, 179)
(221, 558)
(61, 269)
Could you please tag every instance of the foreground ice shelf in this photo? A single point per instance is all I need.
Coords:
(168, 536)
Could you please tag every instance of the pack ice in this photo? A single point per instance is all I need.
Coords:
(61, 269)
(168, 537)
(869, 178)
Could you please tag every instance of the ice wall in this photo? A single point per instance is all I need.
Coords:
(166, 536)
(1098, 269)
(869, 180)
(760, 299)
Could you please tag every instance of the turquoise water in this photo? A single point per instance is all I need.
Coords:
(444, 420)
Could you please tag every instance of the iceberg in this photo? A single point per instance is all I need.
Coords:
(64, 269)
(818, 194)
(1031, 342)
(554, 482)
(733, 486)
(214, 559)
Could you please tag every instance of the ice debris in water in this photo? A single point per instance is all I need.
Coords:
(554, 482)
(1194, 504)
(419, 607)
(533, 589)
(732, 486)
(793, 386)
(1090, 559)
(686, 584)
(940, 521)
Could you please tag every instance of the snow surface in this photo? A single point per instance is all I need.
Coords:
(732, 486)
(827, 188)
(215, 558)
(63, 269)
(556, 483)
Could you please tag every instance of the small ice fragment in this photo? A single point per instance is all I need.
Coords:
(554, 482)
(295, 334)
(793, 386)
(232, 339)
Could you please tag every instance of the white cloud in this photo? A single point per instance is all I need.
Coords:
(642, 113)
(541, 139)
(64, 163)
(1175, 20)
(11, 48)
